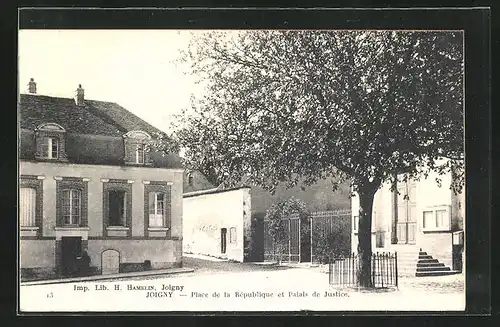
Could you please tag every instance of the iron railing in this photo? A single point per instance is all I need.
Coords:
(343, 272)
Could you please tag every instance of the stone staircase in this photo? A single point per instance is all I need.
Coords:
(413, 262)
(428, 266)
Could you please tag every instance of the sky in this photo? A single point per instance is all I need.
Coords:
(134, 68)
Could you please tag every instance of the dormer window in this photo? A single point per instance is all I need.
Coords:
(136, 148)
(50, 142)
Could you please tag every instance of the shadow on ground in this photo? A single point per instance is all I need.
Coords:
(210, 267)
(202, 266)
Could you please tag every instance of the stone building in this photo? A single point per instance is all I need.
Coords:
(422, 217)
(89, 182)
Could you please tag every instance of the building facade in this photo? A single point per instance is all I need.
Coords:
(217, 223)
(90, 183)
(422, 216)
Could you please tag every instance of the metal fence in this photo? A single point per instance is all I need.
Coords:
(384, 273)
(323, 223)
(299, 240)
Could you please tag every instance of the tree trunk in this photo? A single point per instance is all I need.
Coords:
(394, 231)
(366, 195)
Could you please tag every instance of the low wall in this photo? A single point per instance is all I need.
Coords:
(39, 258)
(37, 254)
(162, 253)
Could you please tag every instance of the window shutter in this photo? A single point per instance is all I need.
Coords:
(151, 203)
(27, 201)
(168, 210)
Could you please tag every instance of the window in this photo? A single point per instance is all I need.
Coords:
(355, 223)
(440, 218)
(139, 154)
(190, 179)
(428, 219)
(117, 204)
(50, 147)
(436, 219)
(157, 209)
(71, 206)
(27, 208)
(232, 235)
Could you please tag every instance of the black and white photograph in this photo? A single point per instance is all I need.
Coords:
(241, 170)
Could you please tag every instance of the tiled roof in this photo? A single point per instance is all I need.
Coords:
(94, 131)
(37, 109)
(95, 117)
(120, 116)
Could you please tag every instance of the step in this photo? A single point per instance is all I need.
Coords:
(422, 253)
(430, 264)
(420, 257)
(443, 268)
(415, 253)
(428, 261)
(436, 273)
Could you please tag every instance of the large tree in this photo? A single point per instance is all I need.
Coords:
(298, 106)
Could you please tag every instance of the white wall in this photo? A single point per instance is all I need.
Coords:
(206, 214)
(428, 195)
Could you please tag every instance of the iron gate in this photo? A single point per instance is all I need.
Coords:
(289, 250)
(299, 241)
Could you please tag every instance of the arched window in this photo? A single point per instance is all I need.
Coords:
(136, 143)
(50, 142)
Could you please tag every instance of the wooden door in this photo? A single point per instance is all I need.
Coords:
(71, 250)
(407, 214)
(223, 240)
(412, 212)
(401, 230)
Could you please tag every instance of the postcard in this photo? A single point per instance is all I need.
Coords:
(189, 170)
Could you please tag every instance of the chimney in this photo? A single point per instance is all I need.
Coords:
(79, 95)
(32, 86)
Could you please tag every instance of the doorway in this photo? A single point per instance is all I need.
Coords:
(71, 249)
(406, 226)
(223, 240)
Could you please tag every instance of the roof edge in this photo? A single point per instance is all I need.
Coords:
(213, 191)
